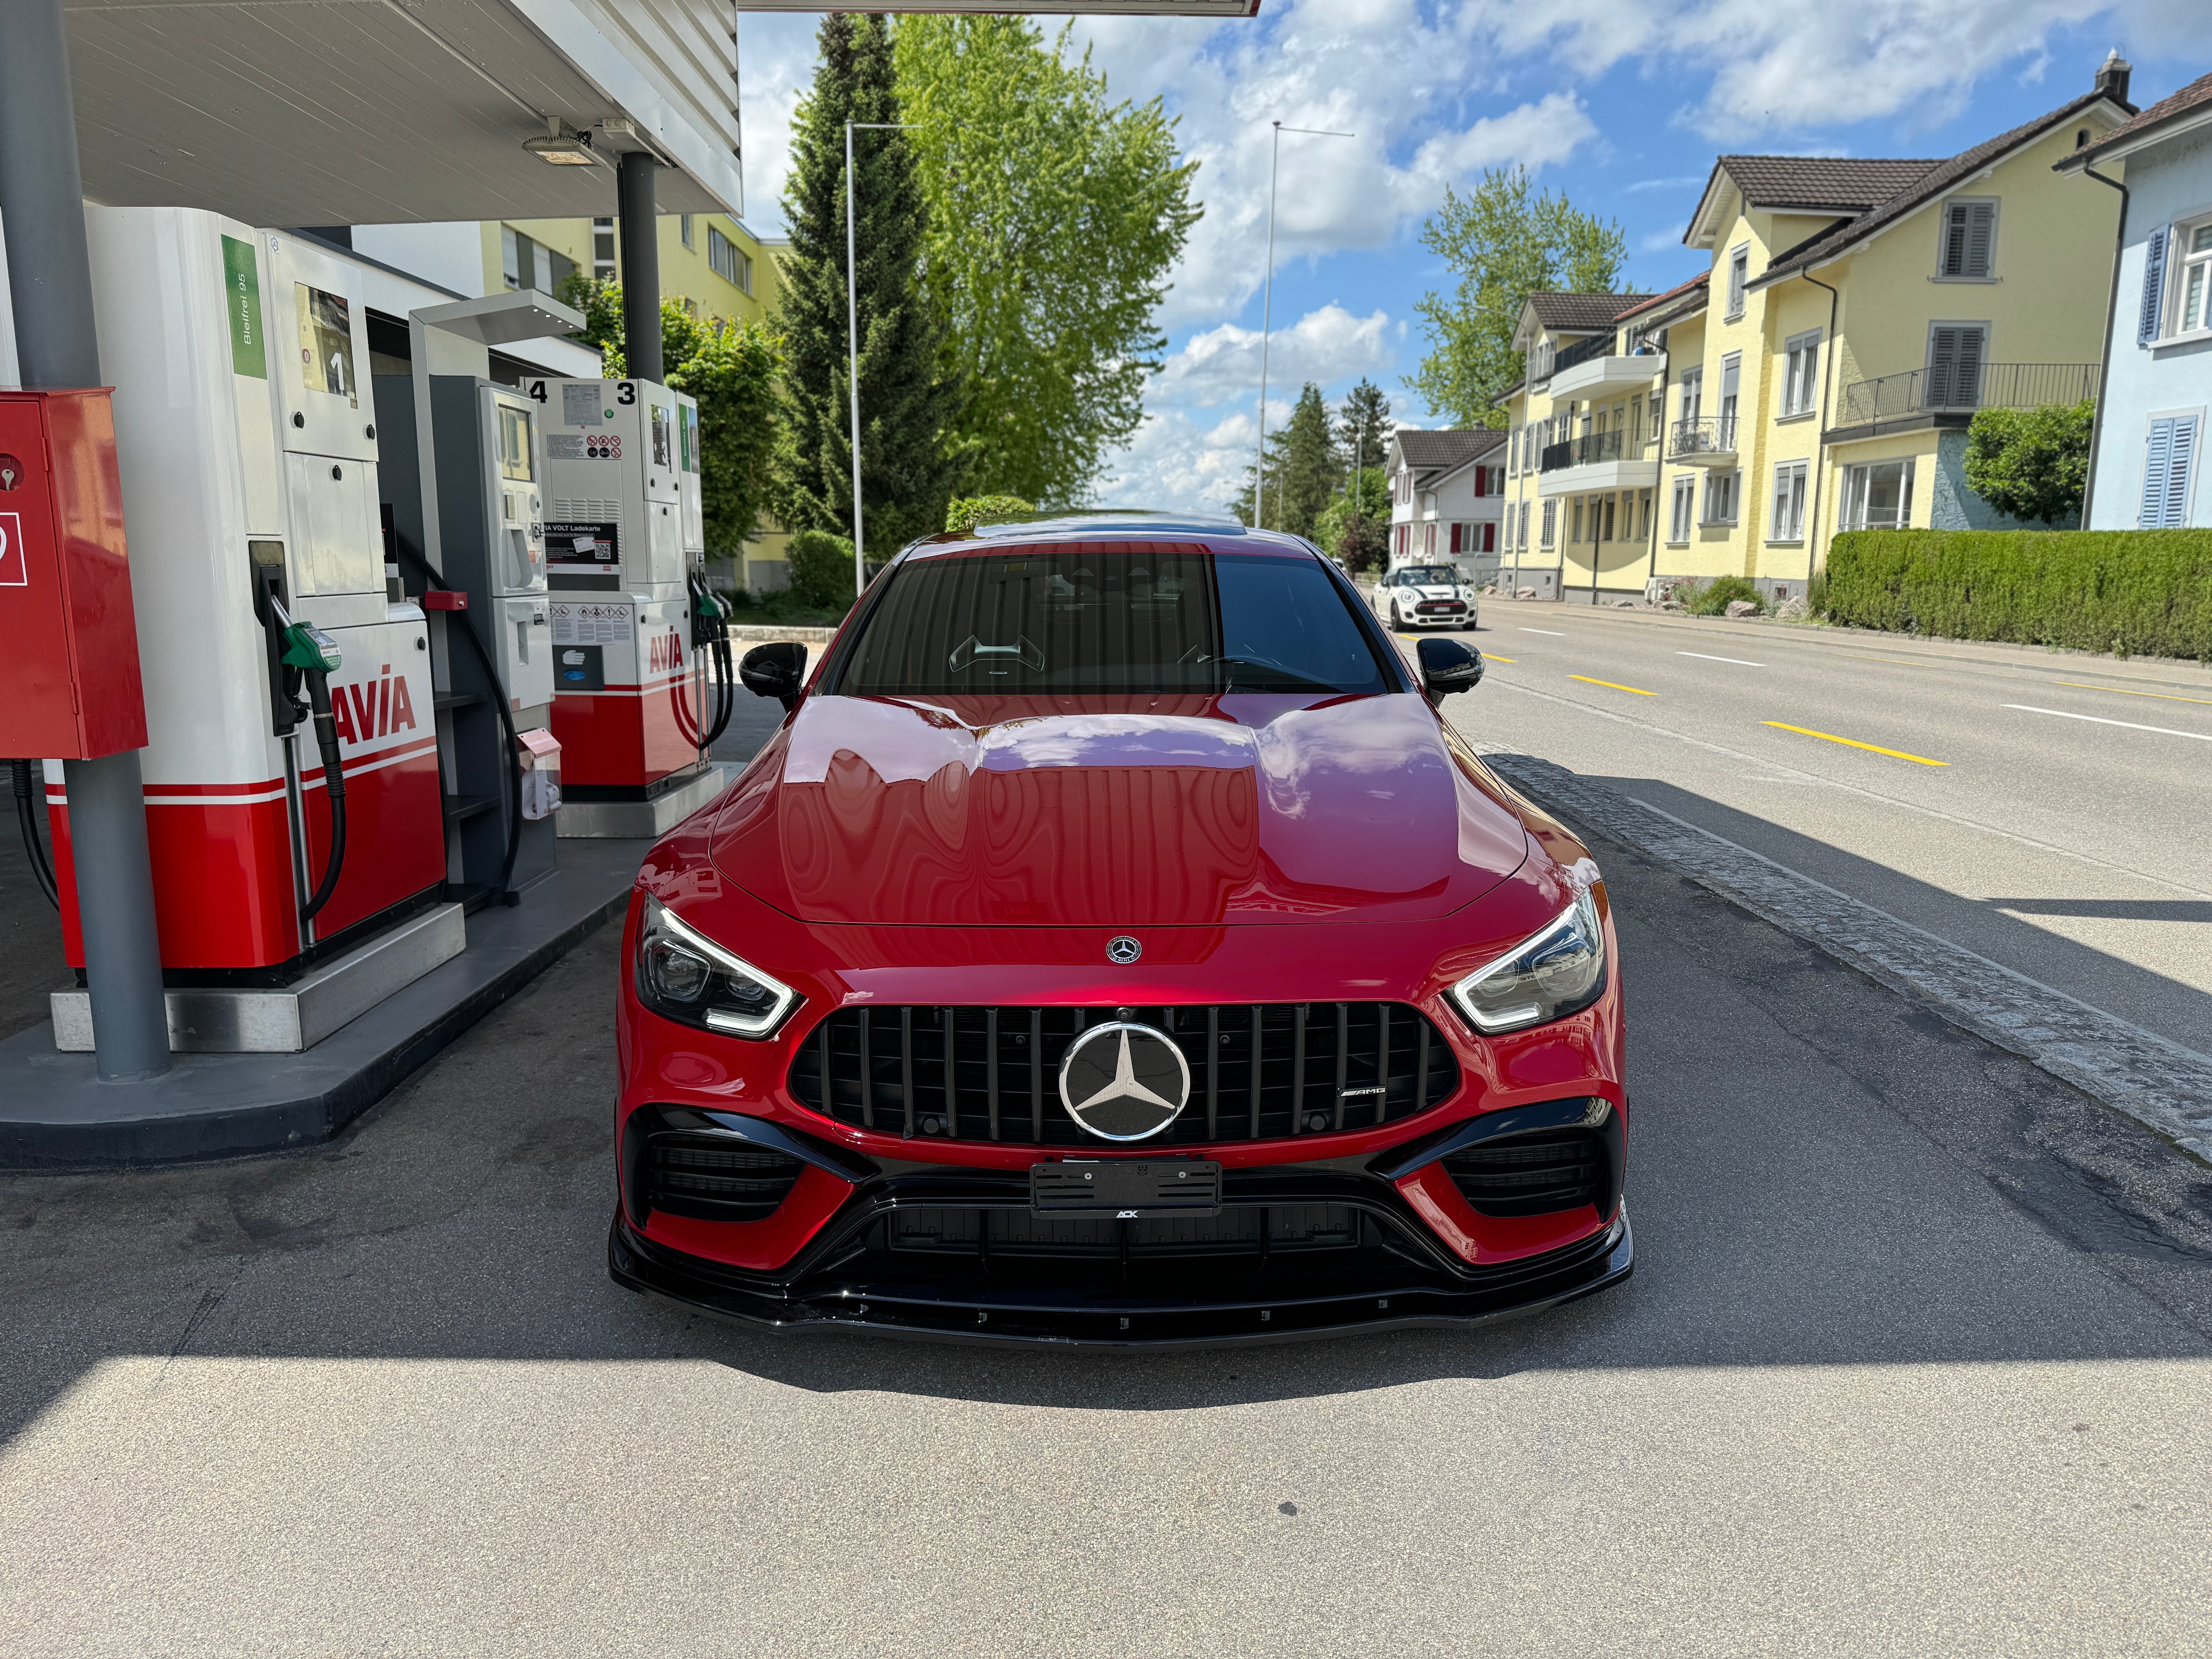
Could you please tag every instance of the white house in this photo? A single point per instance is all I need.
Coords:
(2146, 470)
(1448, 497)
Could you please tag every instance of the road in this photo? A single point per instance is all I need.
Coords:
(2044, 809)
(1914, 1361)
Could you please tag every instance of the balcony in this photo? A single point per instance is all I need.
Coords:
(1706, 441)
(1604, 372)
(1597, 460)
(1947, 394)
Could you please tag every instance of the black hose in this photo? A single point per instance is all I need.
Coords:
(27, 811)
(506, 893)
(326, 740)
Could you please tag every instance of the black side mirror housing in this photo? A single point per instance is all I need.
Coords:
(777, 670)
(1446, 666)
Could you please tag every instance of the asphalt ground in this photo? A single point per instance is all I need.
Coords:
(1913, 1362)
(2063, 834)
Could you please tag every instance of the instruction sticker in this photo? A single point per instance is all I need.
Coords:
(580, 403)
(241, 284)
(574, 546)
(584, 622)
(564, 445)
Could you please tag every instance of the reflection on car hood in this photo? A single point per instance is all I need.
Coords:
(1115, 811)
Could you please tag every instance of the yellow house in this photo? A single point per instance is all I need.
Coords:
(1820, 376)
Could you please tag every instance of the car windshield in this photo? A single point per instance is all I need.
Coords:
(1126, 619)
(1427, 575)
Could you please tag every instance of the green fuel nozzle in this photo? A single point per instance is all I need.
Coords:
(307, 647)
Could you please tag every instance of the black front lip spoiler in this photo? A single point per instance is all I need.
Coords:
(636, 1265)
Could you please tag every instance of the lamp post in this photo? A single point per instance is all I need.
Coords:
(853, 339)
(1268, 307)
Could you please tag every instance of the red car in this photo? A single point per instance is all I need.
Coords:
(1114, 946)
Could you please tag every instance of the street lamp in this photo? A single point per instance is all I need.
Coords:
(853, 339)
(1266, 311)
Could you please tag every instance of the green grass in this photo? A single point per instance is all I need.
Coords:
(780, 610)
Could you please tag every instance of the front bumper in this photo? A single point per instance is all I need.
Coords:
(1460, 618)
(951, 1253)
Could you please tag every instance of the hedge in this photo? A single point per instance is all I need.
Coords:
(2140, 592)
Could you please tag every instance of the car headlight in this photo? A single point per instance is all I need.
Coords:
(683, 975)
(1550, 975)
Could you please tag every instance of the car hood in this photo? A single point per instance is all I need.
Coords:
(1116, 812)
(1434, 593)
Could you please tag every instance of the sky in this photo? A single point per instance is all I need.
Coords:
(1620, 104)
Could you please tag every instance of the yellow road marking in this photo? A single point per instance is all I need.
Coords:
(2163, 696)
(1830, 737)
(1492, 656)
(1610, 686)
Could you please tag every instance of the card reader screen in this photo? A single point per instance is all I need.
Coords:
(326, 344)
(514, 445)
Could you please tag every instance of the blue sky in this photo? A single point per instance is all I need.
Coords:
(1621, 104)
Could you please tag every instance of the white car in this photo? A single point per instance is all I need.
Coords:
(1424, 596)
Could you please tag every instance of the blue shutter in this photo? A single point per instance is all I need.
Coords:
(2157, 464)
(2178, 471)
(2154, 287)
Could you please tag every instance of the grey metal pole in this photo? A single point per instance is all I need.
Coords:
(853, 368)
(1267, 315)
(42, 208)
(641, 265)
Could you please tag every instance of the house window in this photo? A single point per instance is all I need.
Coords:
(1802, 353)
(1429, 539)
(1686, 510)
(2196, 275)
(1731, 376)
(1720, 497)
(1956, 352)
(684, 228)
(1643, 505)
(1576, 533)
(1605, 505)
(1739, 270)
(1657, 403)
(1970, 238)
(727, 262)
(1877, 496)
(2169, 468)
(1789, 523)
(1550, 521)
(602, 249)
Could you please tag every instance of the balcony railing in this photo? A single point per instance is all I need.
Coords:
(1582, 351)
(1959, 389)
(1709, 434)
(1591, 448)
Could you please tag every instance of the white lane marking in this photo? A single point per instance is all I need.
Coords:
(1765, 765)
(2097, 720)
(1703, 656)
(1553, 632)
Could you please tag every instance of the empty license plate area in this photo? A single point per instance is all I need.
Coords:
(1118, 1187)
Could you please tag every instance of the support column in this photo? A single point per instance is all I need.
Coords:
(641, 265)
(50, 276)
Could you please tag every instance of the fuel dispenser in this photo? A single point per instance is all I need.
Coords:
(704, 713)
(489, 618)
(292, 796)
(624, 706)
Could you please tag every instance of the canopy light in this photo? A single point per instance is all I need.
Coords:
(562, 146)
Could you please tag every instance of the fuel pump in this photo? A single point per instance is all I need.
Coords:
(249, 445)
(706, 713)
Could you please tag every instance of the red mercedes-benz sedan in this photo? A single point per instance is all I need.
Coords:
(1115, 945)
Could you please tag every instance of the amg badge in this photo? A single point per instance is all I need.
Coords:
(1124, 1081)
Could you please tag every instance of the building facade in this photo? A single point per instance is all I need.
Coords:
(2146, 470)
(1819, 375)
(1447, 498)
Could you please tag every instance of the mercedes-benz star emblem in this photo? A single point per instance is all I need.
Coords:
(1122, 950)
(1124, 1081)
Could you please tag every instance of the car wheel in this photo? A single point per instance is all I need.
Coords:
(1397, 617)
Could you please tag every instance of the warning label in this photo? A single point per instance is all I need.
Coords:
(580, 403)
(575, 622)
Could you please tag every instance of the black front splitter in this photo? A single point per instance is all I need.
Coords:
(1014, 1319)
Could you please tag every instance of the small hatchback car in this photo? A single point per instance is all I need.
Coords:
(1115, 945)
(1424, 596)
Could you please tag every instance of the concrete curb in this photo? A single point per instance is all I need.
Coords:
(2166, 1087)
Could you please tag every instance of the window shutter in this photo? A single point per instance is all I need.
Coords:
(1981, 230)
(2154, 287)
(1954, 240)
(1942, 365)
(2177, 471)
(1967, 383)
(2157, 464)
(1454, 539)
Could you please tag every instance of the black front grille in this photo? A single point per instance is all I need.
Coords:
(1531, 1174)
(1257, 1231)
(1257, 1071)
(715, 1180)
(1430, 607)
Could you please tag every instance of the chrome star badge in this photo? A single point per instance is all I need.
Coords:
(1124, 1081)
(1121, 949)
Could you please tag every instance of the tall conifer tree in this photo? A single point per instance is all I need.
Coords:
(909, 403)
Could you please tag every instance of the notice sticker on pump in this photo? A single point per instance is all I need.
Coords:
(580, 403)
(574, 547)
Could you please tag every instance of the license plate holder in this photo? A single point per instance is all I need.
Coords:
(1127, 1189)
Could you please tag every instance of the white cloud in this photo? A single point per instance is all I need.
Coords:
(1323, 346)
(1175, 464)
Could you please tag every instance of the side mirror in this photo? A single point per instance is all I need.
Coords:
(1446, 666)
(778, 671)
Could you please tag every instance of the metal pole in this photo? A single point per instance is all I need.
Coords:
(640, 269)
(853, 370)
(1267, 313)
(42, 206)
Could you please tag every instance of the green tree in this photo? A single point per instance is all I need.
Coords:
(1354, 528)
(820, 569)
(2032, 462)
(1505, 239)
(1303, 469)
(1054, 215)
(1363, 431)
(733, 370)
(912, 461)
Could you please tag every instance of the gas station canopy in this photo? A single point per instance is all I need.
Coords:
(380, 112)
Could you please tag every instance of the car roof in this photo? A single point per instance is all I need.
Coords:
(1097, 530)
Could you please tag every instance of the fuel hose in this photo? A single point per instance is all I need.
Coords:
(27, 811)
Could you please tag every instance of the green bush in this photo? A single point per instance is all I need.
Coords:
(821, 567)
(1714, 598)
(1816, 594)
(2146, 592)
(966, 513)
(2032, 462)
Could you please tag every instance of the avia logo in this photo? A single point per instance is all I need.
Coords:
(373, 708)
(666, 654)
